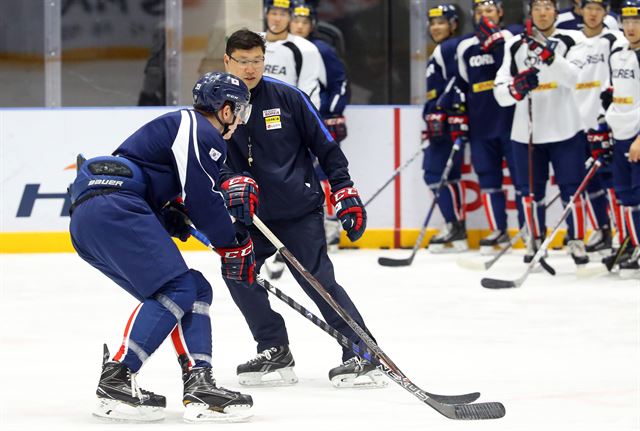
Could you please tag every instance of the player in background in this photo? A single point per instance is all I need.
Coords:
(623, 115)
(125, 208)
(535, 66)
(591, 56)
(572, 18)
(441, 68)
(276, 148)
(479, 56)
(296, 61)
(334, 96)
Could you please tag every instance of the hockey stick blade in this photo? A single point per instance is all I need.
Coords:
(388, 261)
(494, 283)
(547, 267)
(479, 411)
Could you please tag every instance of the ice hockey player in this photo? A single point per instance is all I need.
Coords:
(535, 66)
(479, 56)
(333, 99)
(441, 68)
(125, 208)
(291, 58)
(591, 56)
(571, 18)
(291, 204)
(623, 115)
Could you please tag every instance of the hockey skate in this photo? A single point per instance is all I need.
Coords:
(271, 367)
(599, 241)
(204, 401)
(630, 268)
(578, 251)
(332, 233)
(493, 242)
(274, 266)
(610, 260)
(453, 238)
(357, 373)
(120, 398)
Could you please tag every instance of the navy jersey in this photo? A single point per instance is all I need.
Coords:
(441, 67)
(333, 96)
(274, 148)
(181, 154)
(476, 71)
(569, 20)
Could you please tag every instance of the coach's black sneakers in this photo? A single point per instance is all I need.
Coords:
(273, 366)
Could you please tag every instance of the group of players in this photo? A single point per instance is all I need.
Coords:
(563, 90)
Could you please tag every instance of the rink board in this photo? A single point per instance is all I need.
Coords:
(39, 148)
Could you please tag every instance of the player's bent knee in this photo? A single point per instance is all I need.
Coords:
(179, 294)
(205, 292)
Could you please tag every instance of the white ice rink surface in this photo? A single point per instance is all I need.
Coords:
(561, 353)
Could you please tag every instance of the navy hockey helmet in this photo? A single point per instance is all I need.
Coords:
(475, 3)
(630, 9)
(283, 4)
(306, 10)
(444, 10)
(603, 3)
(214, 89)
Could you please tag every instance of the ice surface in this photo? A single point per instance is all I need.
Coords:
(561, 353)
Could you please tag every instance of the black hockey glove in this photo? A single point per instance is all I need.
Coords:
(542, 51)
(350, 211)
(175, 220)
(337, 126)
(600, 142)
(238, 260)
(523, 83)
(606, 97)
(489, 35)
(241, 197)
(435, 125)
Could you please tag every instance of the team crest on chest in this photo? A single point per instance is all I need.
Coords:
(272, 118)
(214, 154)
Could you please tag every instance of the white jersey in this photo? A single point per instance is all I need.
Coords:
(555, 113)
(623, 116)
(296, 61)
(591, 56)
(575, 22)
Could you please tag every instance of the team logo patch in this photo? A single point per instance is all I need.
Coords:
(270, 112)
(273, 122)
(214, 154)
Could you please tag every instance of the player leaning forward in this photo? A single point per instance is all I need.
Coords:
(623, 115)
(537, 68)
(275, 149)
(124, 209)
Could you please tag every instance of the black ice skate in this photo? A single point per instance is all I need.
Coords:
(578, 251)
(630, 268)
(357, 373)
(120, 398)
(599, 241)
(204, 401)
(528, 256)
(613, 260)
(452, 239)
(493, 242)
(272, 367)
(274, 266)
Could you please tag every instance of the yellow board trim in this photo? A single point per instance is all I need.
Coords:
(482, 86)
(60, 242)
(587, 85)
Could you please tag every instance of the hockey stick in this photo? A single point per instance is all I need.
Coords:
(608, 266)
(344, 341)
(483, 266)
(492, 283)
(491, 410)
(388, 261)
(424, 144)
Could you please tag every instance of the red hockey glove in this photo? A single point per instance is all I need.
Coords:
(241, 197)
(458, 126)
(337, 126)
(600, 143)
(238, 261)
(543, 52)
(523, 83)
(350, 211)
(175, 220)
(606, 97)
(435, 124)
(489, 35)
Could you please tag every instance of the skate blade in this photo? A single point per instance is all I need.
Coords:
(282, 377)
(370, 380)
(117, 411)
(452, 247)
(201, 413)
